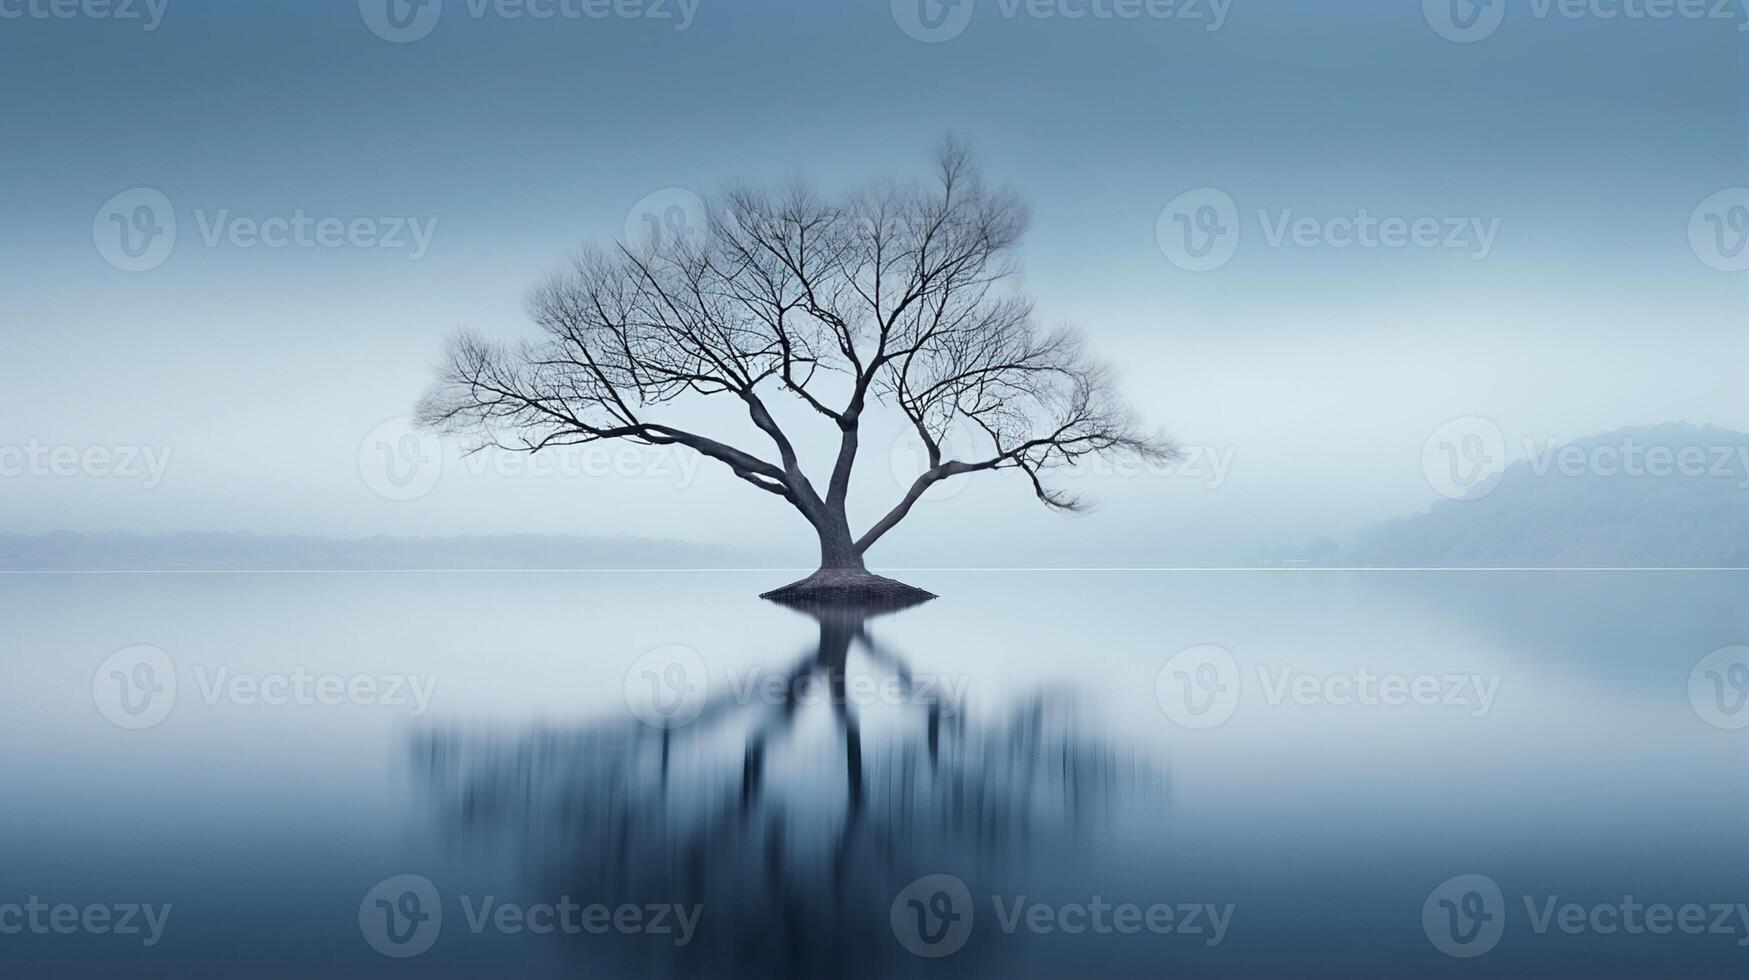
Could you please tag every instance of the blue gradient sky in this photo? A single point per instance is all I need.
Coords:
(1322, 371)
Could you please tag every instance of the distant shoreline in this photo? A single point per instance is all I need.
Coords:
(240, 552)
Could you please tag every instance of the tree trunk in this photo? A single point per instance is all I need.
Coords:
(842, 578)
(837, 548)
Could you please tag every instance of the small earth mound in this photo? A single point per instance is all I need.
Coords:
(833, 587)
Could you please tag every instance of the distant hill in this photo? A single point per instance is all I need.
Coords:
(1584, 505)
(66, 551)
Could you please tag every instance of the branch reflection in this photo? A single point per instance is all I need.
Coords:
(794, 817)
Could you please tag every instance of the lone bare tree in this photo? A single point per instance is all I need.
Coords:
(896, 295)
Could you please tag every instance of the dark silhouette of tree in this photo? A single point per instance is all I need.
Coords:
(897, 295)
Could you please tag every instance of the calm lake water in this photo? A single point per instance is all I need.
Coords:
(1197, 774)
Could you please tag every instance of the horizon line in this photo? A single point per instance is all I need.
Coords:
(805, 569)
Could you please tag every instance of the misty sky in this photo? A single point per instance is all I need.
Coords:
(1570, 154)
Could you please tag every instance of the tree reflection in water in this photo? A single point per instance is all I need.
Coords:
(793, 818)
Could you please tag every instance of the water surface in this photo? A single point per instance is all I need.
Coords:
(1074, 792)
